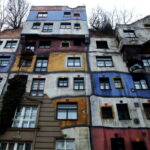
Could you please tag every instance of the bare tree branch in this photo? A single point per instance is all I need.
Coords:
(16, 11)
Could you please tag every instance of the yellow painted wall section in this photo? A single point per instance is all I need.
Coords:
(58, 62)
(83, 111)
(28, 69)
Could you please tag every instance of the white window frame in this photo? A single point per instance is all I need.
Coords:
(104, 61)
(140, 84)
(65, 144)
(16, 144)
(19, 118)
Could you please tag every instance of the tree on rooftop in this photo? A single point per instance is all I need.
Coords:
(16, 11)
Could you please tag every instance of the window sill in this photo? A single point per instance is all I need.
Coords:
(22, 129)
(78, 89)
(67, 119)
(125, 119)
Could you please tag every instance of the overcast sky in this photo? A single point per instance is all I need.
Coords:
(140, 7)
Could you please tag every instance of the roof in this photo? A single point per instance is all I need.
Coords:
(11, 33)
(54, 8)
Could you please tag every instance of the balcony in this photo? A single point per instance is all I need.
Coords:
(136, 68)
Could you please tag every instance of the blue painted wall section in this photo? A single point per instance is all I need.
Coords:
(57, 16)
(6, 69)
(127, 82)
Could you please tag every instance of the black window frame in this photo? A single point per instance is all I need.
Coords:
(116, 79)
(67, 13)
(1, 42)
(78, 82)
(74, 61)
(65, 25)
(4, 58)
(65, 44)
(139, 82)
(25, 62)
(147, 61)
(75, 14)
(49, 27)
(146, 107)
(30, 46)
(67, 110)
(105, 82)
(107, 112)
(12, 45)
(38, 87)
(42, 44)
(128, 33)
(35, 26)
(77, 26)
(102, 45)
(123, 111)
(63, 82)
(77, 42)
(41, 61)
(104, 60)
(43, 14)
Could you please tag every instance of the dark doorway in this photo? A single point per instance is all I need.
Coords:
(117, 144)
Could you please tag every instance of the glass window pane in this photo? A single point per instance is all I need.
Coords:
(72, 114)
(61, 114)
(70, 145)
(60, 145)
(28, 146)
(11, 146)
(20, 147)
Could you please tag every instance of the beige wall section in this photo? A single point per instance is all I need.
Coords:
(81, 136)
(28, 69)
(58, 62)
(83, 111)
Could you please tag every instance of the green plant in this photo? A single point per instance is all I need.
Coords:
(11, 100)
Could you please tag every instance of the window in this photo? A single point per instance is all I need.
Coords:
(48, 27)
(25, 62)
(102, 44)
(67, 111)
(123, 112)
(37, 88)
(1, 80)
(118, 83)
(15, 146)
(65, 25)
(74, 62)
(63, 82)
(147, 110)
(11, 44)
(77, 43)
(65, 145)
(41, 65)
(76, 14)
(30, 46)
(77, 26)
(147, 25)
(107, 112)
(129, 33)
(117, 144)
(4, 61)
(104, 61)
(1, 42)
(78, 84)
(67, 14)
(146, 62)
(44, 44)
(104, 84)
(25, 117)
(140, 84)
(42, 14)
(65, 44)
(36, 25)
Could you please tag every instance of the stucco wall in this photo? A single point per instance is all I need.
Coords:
(81, 136)
(83, 111)
(27, 29)
(134, 112)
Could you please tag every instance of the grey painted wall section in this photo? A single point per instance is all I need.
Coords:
(8, 50)
(81, 136)
(110, 41)
(135, 112)
(118, 64)
(27, 29)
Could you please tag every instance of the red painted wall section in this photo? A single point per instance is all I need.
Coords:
(55, 45)
(101, 138)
